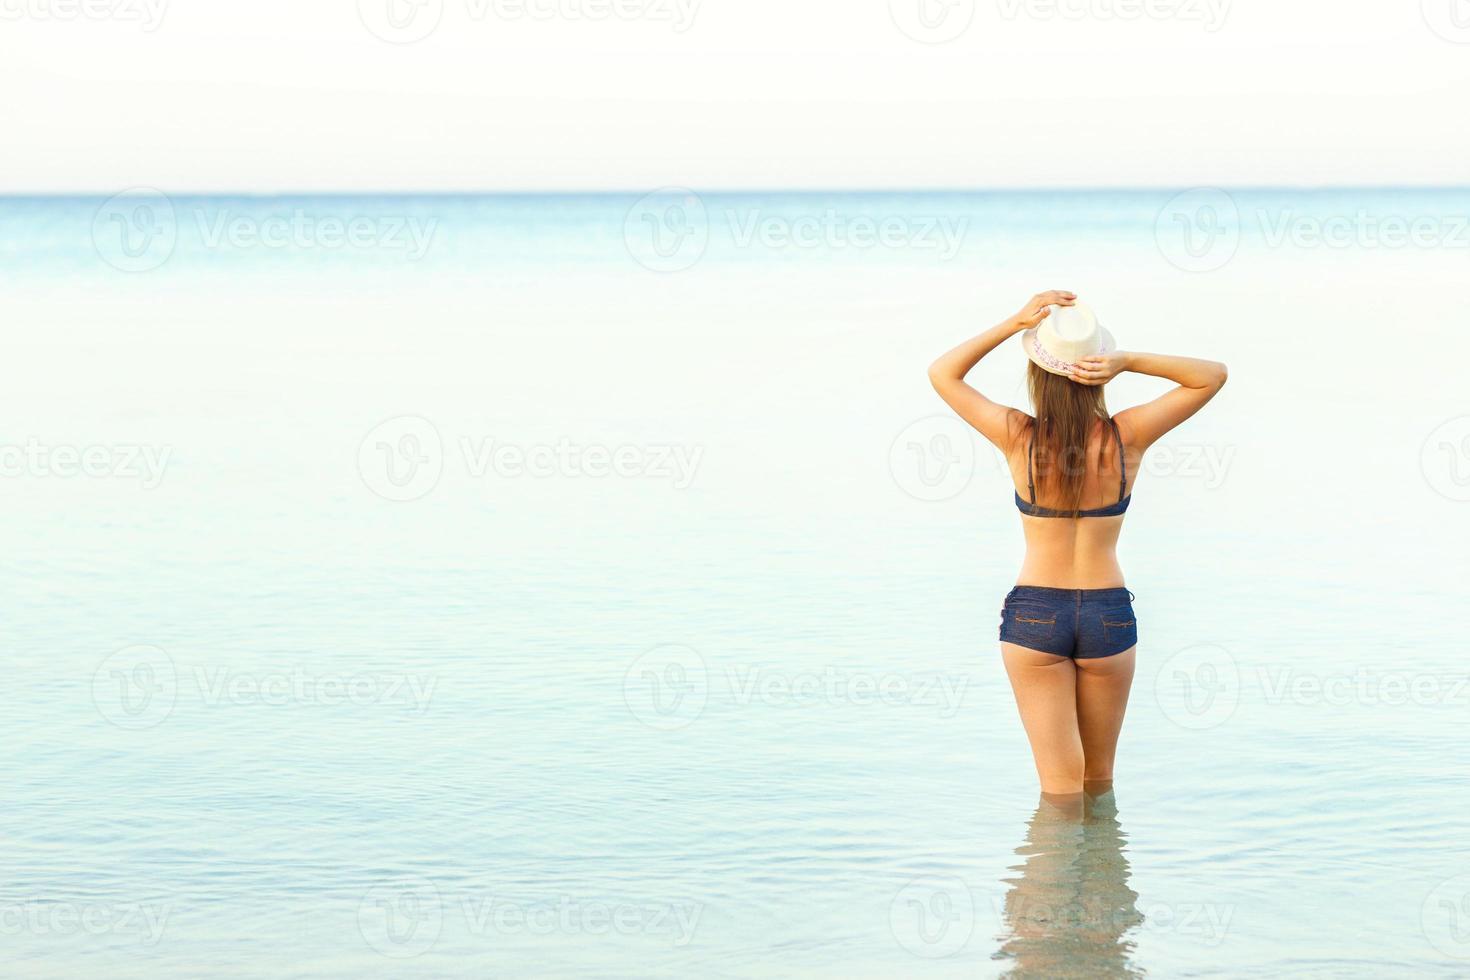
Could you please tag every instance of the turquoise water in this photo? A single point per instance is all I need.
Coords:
(576, 586)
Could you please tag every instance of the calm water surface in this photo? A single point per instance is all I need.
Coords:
(587, 588)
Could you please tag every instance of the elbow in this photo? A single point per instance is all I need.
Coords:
(1222, 374)
(937, 375)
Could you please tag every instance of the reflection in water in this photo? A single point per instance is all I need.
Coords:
(1070, 910)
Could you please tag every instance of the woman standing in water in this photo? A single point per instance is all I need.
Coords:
(1068, 633)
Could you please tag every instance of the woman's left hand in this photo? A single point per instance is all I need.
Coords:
(1039, 308)
(1099, 369)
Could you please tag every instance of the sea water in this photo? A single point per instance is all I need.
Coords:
(591, 585)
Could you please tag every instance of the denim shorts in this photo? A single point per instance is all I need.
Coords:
(1079, 623)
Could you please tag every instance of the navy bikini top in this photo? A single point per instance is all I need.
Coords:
(1032, 509)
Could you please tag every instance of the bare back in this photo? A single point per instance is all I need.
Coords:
(1076, 553)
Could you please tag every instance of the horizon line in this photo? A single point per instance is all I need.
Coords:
(734, 191)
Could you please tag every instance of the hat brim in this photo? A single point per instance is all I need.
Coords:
(1053, 365)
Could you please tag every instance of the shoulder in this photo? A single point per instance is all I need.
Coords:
(1018, 424)
(1127, 430)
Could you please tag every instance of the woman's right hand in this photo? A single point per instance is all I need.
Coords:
(1099, 369)
(1037, 309)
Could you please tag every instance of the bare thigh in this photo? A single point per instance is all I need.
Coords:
(1102, 698)
(1046, 694)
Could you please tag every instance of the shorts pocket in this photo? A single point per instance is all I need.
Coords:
(1029, 621)
(1120, 628)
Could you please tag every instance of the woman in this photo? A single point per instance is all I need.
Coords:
(1068, 633)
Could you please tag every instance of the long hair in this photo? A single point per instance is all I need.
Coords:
(1065, 415)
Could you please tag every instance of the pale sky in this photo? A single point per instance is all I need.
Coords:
(272, 95)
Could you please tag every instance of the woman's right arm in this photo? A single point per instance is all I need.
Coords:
(1198, 382)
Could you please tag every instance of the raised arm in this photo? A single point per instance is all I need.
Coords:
(947, 374)
(1198, 381)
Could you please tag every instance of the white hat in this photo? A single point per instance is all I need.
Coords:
(1071, 333)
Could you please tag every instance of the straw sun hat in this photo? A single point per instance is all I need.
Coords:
(1071, 333)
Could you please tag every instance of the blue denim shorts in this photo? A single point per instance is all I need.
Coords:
(1080, 623)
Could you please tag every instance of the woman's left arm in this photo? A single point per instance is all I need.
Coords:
(947, 374)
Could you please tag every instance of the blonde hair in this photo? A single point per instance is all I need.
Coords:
(1065, 415)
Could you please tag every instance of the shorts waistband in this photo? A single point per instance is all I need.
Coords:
(1046, 592)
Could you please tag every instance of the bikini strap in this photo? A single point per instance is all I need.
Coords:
(1122, 464)
(1030, 448)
